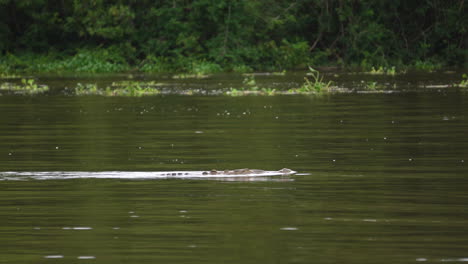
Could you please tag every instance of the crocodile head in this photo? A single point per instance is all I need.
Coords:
(285, 170)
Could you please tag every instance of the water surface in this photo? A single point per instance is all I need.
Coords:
(383, 177)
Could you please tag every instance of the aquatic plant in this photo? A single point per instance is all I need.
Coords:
(464, 82)
(382, 71)
(242, 92)
(268, 91)
(123, 84)
(27, 86)
(315, 85)
(87, 89)
(190, 76)
(281, 73)
(4, 75)
(132, 89)
(251, 88)
(6, 86)
(234, 92)
(32, 87)
(371, 85)
(125, 88)
(250, 82)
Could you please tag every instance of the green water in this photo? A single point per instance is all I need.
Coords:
(383, 178)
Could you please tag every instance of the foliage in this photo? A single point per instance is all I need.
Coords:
(27, 86)
(201, 68)
(153, 64)
(8, 75)
(94, 61)
(281, 73)
(126, 88)
(427, 65)
(250, 83)
(372, 86)
(316, 85)
(464, 83)
(251, 88)
(382, 70)
(87, 89)
(203, 37)
(262, 91)
(84, 60)
(268, 91)
(190, 76)
(242, 68)
(235, 92)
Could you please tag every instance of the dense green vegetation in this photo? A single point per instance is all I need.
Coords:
(208, 36)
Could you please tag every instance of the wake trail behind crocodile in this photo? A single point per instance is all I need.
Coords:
(59, 175)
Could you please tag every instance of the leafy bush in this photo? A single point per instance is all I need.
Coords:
(153, 64)
(204, 67)
(95, 61)
(427, 65)
(241, 68)
(201, 37)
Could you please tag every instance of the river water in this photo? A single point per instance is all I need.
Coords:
(382, 177)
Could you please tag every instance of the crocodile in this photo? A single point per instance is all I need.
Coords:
(245, 171)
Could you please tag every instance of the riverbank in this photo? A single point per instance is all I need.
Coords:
(90, 61)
